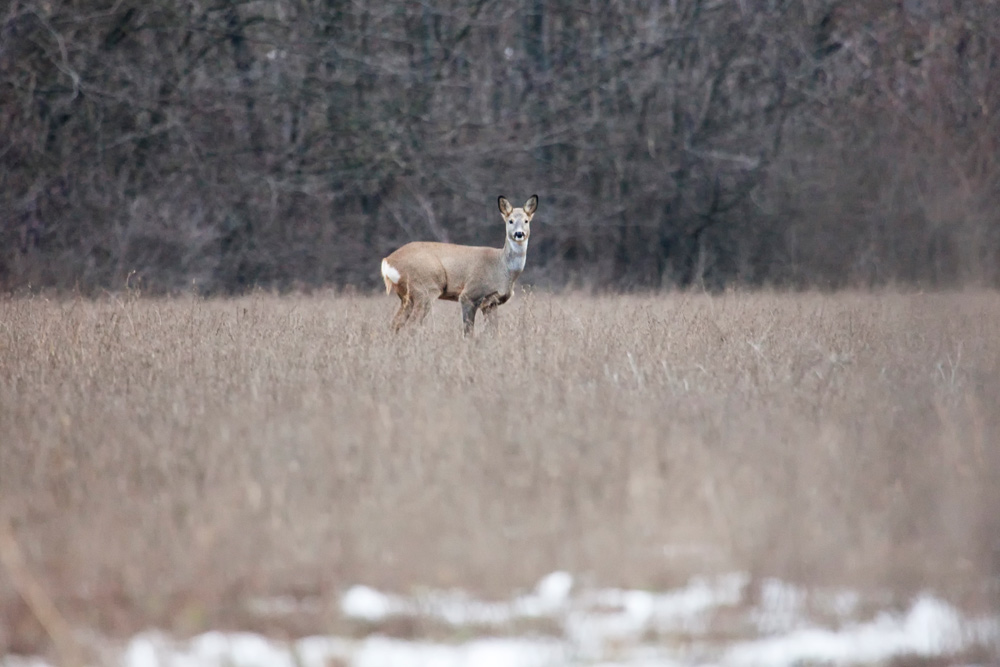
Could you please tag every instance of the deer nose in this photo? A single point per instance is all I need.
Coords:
(518, 235)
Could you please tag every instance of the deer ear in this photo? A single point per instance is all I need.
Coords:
(531, 205)
(505, 206)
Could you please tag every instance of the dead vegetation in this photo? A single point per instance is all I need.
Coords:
(165, 461)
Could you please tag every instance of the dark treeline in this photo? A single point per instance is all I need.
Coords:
(292, 143)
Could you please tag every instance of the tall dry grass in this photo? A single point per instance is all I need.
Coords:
(165, 460)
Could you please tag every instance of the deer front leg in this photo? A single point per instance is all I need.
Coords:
(489, 307)
(469, 308)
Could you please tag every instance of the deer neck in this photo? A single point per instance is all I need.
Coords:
(514, 255)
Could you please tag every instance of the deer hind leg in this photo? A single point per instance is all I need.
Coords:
(402, 316)
(404, 313)
(421, 306)
(413, 309)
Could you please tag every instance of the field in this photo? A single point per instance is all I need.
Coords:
(164, 463)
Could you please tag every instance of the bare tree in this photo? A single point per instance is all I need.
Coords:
(296, 142)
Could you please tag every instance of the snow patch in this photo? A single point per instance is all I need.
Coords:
(368, 604)
(930, 628)
(710, 621)
(553, 590)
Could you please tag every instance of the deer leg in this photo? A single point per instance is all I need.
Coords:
(490, 304)
(489, 309)
(404, 313)
(469, 308)
(400, 318)
(422, 306)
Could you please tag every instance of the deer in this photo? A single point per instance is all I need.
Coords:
(478, 278)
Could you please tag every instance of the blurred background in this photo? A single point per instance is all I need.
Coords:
(292, 143)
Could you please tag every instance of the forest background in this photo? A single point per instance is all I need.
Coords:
(228, 144)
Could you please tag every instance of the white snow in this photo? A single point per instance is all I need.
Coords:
(553, 590)
(607, 618)
(931, 627)
(368, 604)
(781, 608)
(216, 649)
(710, 621)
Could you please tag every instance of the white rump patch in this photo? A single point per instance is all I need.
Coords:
(390, 273)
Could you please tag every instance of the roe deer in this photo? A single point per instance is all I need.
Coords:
(478, 278)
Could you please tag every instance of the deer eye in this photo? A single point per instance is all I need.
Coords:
(510, 222)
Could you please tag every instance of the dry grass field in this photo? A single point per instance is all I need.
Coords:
(163, 461)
